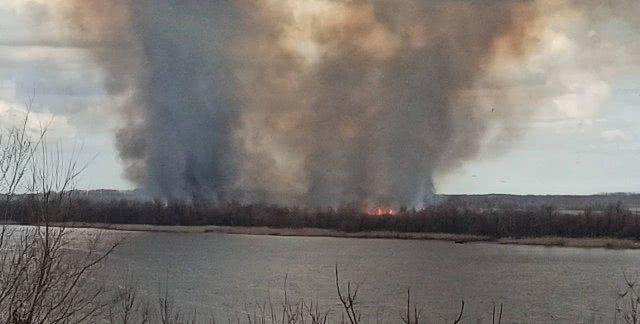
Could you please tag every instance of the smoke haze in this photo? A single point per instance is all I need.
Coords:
(317, 102)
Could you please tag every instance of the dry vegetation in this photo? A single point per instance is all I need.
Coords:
(130, 307)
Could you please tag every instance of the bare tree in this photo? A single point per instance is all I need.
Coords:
(348, 300)
(459, 319)
(45, 271)
(497, 320)
(127, 307)
(628, 303)
(408, 319)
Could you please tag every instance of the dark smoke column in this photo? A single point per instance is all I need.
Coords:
(173, 57)
(186, 96)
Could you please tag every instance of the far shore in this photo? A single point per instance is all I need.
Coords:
(606, 243)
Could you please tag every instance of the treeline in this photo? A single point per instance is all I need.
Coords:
(612, 221)
(571, 202)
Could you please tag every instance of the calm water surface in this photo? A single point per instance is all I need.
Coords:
(219, 274)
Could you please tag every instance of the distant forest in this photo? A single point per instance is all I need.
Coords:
(607, 216)
(569, 202)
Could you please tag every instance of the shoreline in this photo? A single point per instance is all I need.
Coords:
(548, 241)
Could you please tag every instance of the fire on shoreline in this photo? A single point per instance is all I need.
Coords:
(378, 211)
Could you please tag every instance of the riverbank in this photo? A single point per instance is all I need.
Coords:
(606, 243)
(587, 243)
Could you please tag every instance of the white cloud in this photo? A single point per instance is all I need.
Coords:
(584, 93)
(13, 115)
(576, 58)
(615, 135)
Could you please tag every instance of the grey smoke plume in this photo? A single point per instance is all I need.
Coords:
(313, 102)
(356, 100)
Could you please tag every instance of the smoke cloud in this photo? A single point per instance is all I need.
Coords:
(315, 102)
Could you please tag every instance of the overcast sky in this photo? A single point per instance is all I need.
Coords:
(583, 139)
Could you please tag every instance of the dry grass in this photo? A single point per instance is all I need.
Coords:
(607, 243)
(306, 231)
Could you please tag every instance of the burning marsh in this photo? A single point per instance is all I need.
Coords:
(597, 226)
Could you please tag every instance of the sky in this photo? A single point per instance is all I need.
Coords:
(581, 139)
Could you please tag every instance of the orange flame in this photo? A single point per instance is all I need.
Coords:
(379, 211)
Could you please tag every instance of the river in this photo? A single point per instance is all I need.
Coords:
(224, 274)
